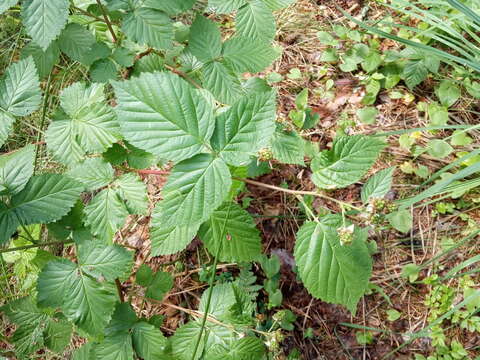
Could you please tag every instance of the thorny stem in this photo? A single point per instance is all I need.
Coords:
(107, 21)
(26, 247)
(42, 123)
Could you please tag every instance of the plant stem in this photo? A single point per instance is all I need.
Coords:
(107, 21)
(152, 172)
(119, 289)
(86, 13)
(183, 75)
(297, 192)
(26, 247)
(42, 123)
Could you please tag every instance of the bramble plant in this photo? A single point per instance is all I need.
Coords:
(166, 88)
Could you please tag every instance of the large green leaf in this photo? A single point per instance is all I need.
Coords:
(331, 271)
(223, 298)
(84, 301)
(245, 54)
(44, 199)
(16, 169)
(195, 188)
(162, 114)
(288, 147)
(88, 124)
(245, 128)
(94, 173)
(221, 81)
(233, 230)
(148, 341)
(349, 159)
(76, 41)
(6, 126)
(117, 346)
(20, 88)
(205, 40)
(171, 7)
(105, 214)
(148, 26)
(44, 19)
(255, 20)
(58, 334)
(169, 239)
(247, 348)
(44, 60)
(378, 185)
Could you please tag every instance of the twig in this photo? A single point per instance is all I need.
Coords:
(26, 247)
(183, 75)
(107, 21)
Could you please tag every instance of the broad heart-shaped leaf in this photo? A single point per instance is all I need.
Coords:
(332, 272)
(109, 261)
(105, 214)
(220, 79)
(349, 159)
(162, 114)
(205, 39)
(20, 88)
(16, 169)
(255, 20)
(225, 6)
(44, 199)
(246, 54)
(84, 301)
(134, 191)
(148, 341)
(151, 27)
(6, 126)
(378, 185)
(44, 19)
(245, 128)
(288, 147)
(44, 60)
(169, 239)
(171, 7)
(183, 342)
(195, 188)
(247, 348)
(88, 124)
(232, 229)
(6, 4)
(94, 173)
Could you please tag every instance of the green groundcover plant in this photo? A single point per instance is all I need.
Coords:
(167, 86)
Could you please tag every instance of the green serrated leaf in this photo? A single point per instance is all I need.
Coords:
(378, 185)
(245, 128)
(221, 81)
(44, 60)
(134, 191)
(162, 114)
(105, 214)
(247, 55)
(44, 19)
(124, 57)
(223, 298)
(349, 159)
(103, 70)
(84, 301)
(171, 7)
(448, 93)
(247, 348)
(232, 229)
(401, 220)
(205, 40)
(255, 20)
(288, 147)
(414, 73)
(195, 188)
(333, 272)
(144, 275)
(148, 341)
(117, 346)
(94, 173)
(439, 148)
(170, 239)
(6, 4)
(147, 26)
(20, 89)
(16, 169)
(76, 41)
(6, 126)
(58, 335)
(226, 6)
(161, 284)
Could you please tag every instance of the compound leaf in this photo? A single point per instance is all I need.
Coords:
(331, 271)
(349, 159)
(195, 188)
(44, 19)
(245, 128)
(162, 114)
(233, 230)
